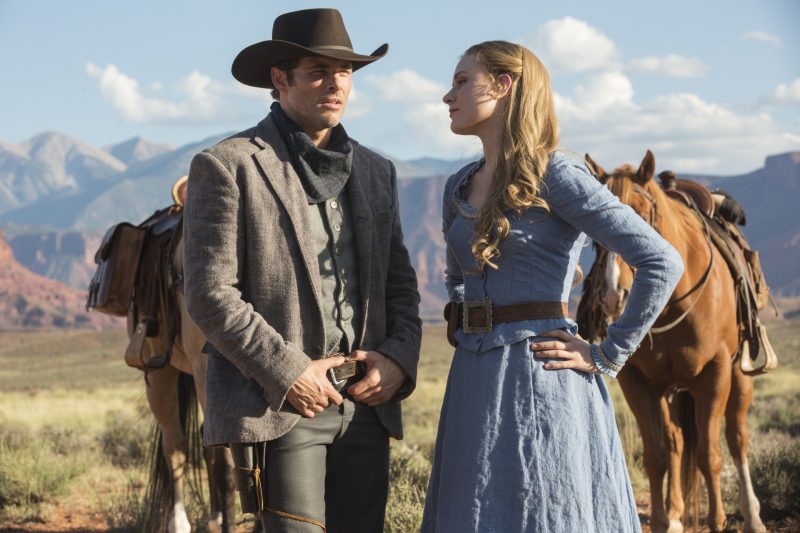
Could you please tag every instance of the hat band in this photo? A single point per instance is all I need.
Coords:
(331, 47)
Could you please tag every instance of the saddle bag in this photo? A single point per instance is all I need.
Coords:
(728, 207)
(117, 261)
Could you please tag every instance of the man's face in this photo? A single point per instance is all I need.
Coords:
(317, 95)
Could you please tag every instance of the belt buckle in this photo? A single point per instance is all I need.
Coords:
(340, 374)
(486, 326)
(344, 371)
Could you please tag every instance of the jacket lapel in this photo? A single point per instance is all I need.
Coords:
(276, 166)
(358, 192)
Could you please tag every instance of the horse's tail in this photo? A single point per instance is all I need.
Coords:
(689, 471)
(160, 496)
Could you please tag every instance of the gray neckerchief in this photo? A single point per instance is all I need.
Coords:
(324, 173)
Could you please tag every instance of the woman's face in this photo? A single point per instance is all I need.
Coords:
(473, 99)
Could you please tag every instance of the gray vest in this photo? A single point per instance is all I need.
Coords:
(334, 239)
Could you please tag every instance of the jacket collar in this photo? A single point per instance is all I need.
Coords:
(276, 166)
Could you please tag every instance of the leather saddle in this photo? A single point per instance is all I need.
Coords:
(752, 292)
(153, 303)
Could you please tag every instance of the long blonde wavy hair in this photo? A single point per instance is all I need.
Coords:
(530, 133)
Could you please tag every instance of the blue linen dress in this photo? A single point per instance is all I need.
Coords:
(520, 448)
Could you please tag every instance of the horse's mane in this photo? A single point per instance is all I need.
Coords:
(675, 221)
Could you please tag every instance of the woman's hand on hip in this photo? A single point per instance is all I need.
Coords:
(573, 352)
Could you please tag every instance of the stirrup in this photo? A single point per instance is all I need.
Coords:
(761, 343)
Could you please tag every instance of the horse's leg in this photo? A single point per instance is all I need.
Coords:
(710, 390)
(737, 436)
(162, 395)
(220, 476)
(674, 436)
(646, 406)
(219, 463)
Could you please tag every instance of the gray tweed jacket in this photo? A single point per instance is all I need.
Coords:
(252, 281)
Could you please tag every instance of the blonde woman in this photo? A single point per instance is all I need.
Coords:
(527, 439)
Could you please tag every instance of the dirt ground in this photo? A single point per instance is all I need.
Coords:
(71, 517)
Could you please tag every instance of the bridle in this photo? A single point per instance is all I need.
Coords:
(653, 204)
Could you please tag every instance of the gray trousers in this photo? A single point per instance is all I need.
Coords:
(332, 469)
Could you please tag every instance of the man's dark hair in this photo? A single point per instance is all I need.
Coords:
(287, 65)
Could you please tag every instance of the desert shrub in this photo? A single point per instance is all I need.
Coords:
(408, 482)
(13, 436)
(125, 513)
(34, 469)
(775, 470)
(67, 440)
(125, 440)
(780, 412)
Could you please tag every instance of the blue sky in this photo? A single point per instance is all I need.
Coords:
(709, 86)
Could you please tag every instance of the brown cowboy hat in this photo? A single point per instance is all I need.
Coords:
(310, 32)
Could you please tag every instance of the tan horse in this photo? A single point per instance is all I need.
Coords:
(165, 394)
(691, 347)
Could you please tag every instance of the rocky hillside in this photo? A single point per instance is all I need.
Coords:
(64, 255)
(28, 300)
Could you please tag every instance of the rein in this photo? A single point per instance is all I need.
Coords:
(701, 284)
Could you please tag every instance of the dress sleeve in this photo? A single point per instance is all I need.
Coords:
(579, 199)
(453, 277)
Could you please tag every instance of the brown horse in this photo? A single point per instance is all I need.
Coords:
(166, 394)
(691, 347)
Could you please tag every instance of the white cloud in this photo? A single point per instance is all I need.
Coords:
(763, 37)
(422, 112)
(602, 92)
(407, 86)
(671, 65)
(786, 93)
(685, 132)
(600, 115)
(201, 98)
(572, 45)
(358, 105)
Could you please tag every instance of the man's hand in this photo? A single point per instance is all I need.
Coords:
(382, 378)
(312, 392)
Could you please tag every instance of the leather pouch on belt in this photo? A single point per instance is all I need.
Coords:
(247, 463)
(451, 314)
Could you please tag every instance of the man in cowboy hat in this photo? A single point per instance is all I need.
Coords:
(294, 254)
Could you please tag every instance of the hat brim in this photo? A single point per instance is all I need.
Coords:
(252, 65)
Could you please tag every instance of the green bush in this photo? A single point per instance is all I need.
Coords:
(67, 441)
(775, 470)
(408, 482)
(125, 440)
(36, 469)
(779, 412)
(125, 513)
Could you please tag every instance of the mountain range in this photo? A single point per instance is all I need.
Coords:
(58, 195)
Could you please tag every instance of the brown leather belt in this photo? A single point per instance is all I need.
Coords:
(479, 316)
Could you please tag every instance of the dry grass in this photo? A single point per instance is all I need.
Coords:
(65, 386)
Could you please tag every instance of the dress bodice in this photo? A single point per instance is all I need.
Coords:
(538, 258)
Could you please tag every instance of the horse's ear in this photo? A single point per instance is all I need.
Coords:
(596, 170)
(646, 170)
